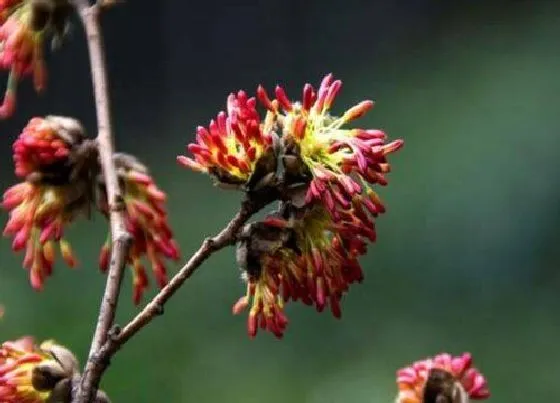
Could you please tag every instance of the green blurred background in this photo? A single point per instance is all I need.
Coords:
(467, 256)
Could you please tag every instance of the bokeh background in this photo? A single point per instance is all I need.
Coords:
(467, 257)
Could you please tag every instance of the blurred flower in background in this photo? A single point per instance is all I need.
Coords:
(441, 379)
(24, 24)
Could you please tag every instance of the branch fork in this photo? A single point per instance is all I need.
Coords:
(108, 337)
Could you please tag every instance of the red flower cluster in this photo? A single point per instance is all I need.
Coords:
(467, 381)
(315, 261)
(43, 143)
(40, 209)
(23, 26)
(335, 168)
(38, 216)
(232, 146)
(343, 163)
(146, 221)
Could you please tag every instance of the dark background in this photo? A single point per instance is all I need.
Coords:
(467, 256)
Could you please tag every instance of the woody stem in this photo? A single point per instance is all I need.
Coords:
(94, 368)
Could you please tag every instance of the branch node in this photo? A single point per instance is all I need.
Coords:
(209, 243)
(114, 332)
(101, 359)
(158, 309)
(124, 238)
(118, 204)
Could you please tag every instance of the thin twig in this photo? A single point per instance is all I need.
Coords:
(225, 237)
(120, 238)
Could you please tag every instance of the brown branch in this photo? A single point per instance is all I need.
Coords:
(226, 237)
(120, 238)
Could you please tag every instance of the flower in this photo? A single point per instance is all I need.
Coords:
(31, 374)
(146, 221)
(55, 161)
(322, 173)
(236, 148)
(306, 257)
(341, 163)
(24, 25)
(452, 377)
(38, 216)
(46, 145)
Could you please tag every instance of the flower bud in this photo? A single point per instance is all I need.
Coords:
(46, 375)
(146, 221)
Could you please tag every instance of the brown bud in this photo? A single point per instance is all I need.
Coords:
(46, 375)
(41, 14)
(70, 130)
(62, 392)
(225, 180)
(264, 174)
(295, 194)
(256, 240)
(64, 357)
(124, 163)
(295, 170)
(441, 387)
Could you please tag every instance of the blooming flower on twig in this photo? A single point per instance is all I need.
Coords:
(35, 374)
(443, 377)
(37, 220)
(236, 148)
(305, 256)
(54, 158)
(341, 162)
(322, 172)
(146, 221)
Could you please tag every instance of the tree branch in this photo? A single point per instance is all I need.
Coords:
(120, 238)
(225, 237)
